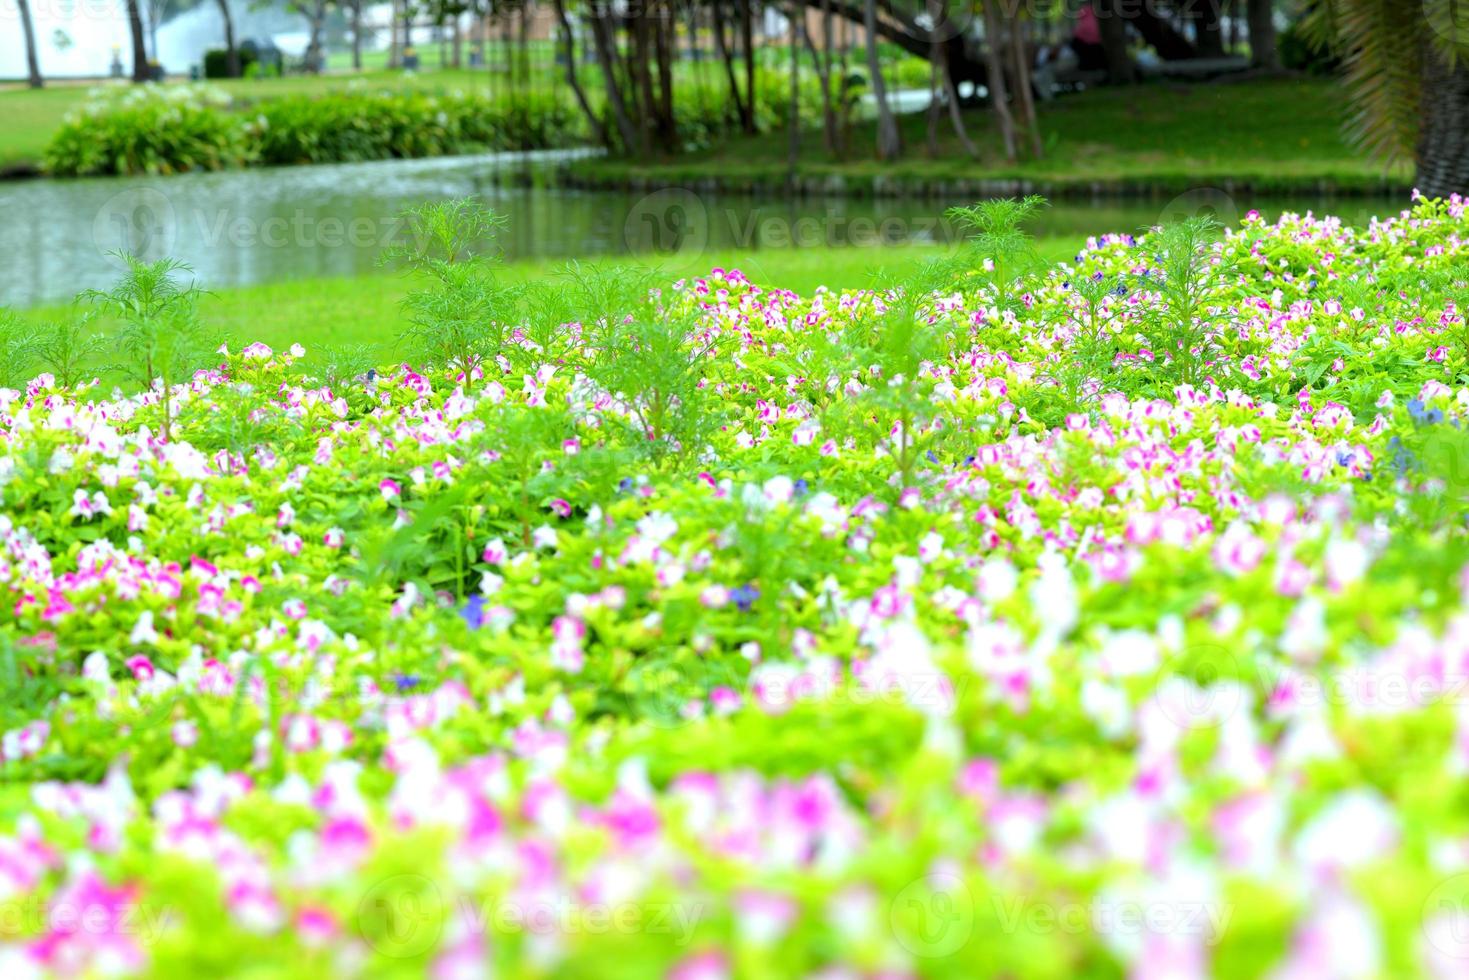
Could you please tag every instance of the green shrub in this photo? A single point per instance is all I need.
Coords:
(216, 62)
(1299, 53)
(169, 130)
(152, 131)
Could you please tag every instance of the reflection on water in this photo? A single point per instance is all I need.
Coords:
(254, 226)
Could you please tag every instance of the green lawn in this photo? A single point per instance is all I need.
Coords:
(365, 310)
(1273, 134)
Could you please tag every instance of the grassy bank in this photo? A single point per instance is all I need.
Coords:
(366, 310)
(1267, 135)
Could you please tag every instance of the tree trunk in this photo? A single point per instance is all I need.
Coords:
(1443, 140)
(942, 86)
(231, 52)
(723, 48)
(842, 97)
(315, 56)
(140, 47)
(889, 140)
(606, 59)
(665, 36)
(395, 48)
(747, 38)
(356, 35)
(523, 44)
(994, 45)
(1024, 97)
(823, 61)
(956, 117)
(794, 12)
(1120, 69)
(568, 45)
(935, 65)
(456, 57)
(642, 80)
(1158, 33)
(1208, 39)
(903, 31)
(1263, 50)
(33, 62)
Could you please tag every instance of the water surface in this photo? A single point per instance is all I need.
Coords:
(253, 226)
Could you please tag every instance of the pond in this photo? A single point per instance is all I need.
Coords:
(253, 226)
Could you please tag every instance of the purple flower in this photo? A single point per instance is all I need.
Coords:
(744, 597)
(474, 611)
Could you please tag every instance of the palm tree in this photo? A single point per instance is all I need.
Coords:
(33, 65)
(1406, 69)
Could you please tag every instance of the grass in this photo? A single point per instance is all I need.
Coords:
(366, 309)
(1271, 134)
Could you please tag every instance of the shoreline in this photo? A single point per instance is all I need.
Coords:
(857, 186)
(911, 186)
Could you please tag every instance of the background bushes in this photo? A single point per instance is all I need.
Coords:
(153, 131)
(161, 131)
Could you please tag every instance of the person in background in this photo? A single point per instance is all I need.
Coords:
(1081, 52)
(1086, 40)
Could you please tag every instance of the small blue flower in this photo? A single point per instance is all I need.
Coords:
(1343, 458)
(969, 460)
(1120, 291)
(744, 597)
(932, 458)
(1415, 408)
(405, 682)
(801, 487)
(624, 484)
(474, 611)
(1433, 416)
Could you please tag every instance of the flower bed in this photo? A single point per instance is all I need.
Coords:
(1008, 664)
